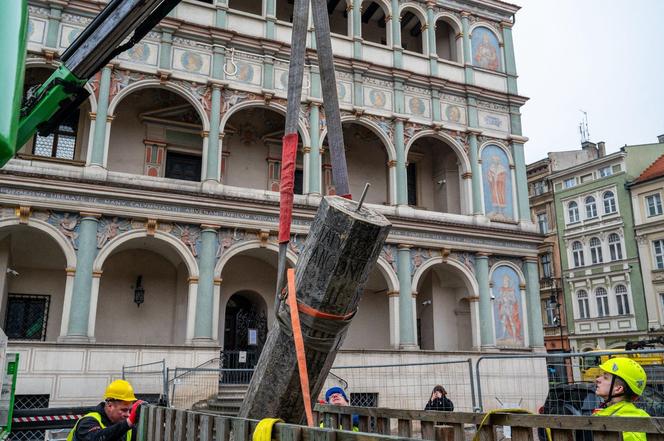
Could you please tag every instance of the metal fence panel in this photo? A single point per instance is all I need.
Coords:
(149, 380)
(406, 386)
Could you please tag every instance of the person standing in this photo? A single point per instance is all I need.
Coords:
(113, 419)
(439, 400)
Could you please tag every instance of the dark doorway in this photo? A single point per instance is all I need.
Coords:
(245, 332)
(183, 166)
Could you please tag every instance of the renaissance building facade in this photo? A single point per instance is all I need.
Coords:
(145, 227)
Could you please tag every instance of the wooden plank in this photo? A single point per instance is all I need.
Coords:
(346, 421)
(222, 429)
(405, 428)
(364, 423)
(443, 433)
(159, 424)
(562, 435)
(427, 430)
(141, 430)
(656, 437)
(383, 425)
(601, 435)
(486, 433)
(288, 432)
(322, 434)
(206, 428)
(240, 428)
(151, 423)
(192, 426)
(459, 432)
(169, 419)
(522, 434)
(180, 426)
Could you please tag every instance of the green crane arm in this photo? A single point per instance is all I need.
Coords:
(99, 42)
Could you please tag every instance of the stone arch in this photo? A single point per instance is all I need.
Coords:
(388, 273)
(468, 276)
(302, 129)
(184, 253)
(375, 128)
(487, 26)
(498, 144)
(154, 83)
(64, 244)
(447, 139)
(291, 257)
(421, 16)
(515, 267)
(455, 25)
(387, 11)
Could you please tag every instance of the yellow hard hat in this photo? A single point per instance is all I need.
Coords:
(629, 370)
(120, 390)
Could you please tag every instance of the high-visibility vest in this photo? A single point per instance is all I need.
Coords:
(96, 416)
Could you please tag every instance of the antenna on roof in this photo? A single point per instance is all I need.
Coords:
(583, 127)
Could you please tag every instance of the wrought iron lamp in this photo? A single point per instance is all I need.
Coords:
(139, 291)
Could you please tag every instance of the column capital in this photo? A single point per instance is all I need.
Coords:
(217, 281)
(306, 149)
(506, 24)
(474, 131)
(192, 280)
(467, 175)
(465, 14)
(23, 213)
(393, 293)
(70, 271)
(531, 259)
(414, 294)
(482, 255)
(211, 227)
(403, 246)
(518, 138)
(97, 274)
(216, 84)
(473, 299)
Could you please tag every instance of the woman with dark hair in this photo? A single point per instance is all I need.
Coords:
(439, 400)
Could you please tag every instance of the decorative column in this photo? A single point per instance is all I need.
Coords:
(354, 10)
(402, 184)
(221, 18)
(476, 178)
(97, 153)
(314, 154)
(487, 338)
(467, 50)
(407, 339)
(204, 326)
(165, 50)
(431, 34)
(66, 304)
(521, 179)
(215, 309)
(393, 299)
(79, 309)
(535, 327)
(192, 294)
(397, 50)
(510, 63)
(53, 28)
(271, 18)
(211, 172)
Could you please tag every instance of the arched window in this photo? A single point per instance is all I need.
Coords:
(577, 253)
(591, 207)
(622, 300)
(609, 202)
(596, 251)
(573, 212)
(374, 27)
(446, 41)
(615, 248)
(412, 35)
(602, 302)
(584, 308)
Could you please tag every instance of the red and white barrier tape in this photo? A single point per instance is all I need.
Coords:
(34, 419)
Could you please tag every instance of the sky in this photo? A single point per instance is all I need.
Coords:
(605, 57)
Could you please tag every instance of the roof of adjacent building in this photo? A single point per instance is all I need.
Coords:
(654, 170)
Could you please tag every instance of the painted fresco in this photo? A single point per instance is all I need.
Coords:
(507, 307)
(486, 49)
(497, 184)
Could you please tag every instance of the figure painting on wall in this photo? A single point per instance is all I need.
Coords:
(507, 307)
(486, 49)
(497, 183)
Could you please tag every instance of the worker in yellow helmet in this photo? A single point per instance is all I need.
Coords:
(621, 383)
(113, 419)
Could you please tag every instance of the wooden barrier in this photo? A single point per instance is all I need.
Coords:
(378, 424)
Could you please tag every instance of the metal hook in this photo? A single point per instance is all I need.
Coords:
(233, 63)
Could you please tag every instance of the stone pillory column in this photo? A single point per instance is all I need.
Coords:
(338, 256)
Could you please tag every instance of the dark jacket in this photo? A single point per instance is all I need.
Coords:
(442, 403)
(88, 429)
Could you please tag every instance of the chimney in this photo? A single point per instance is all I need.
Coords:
(660, 139)
(601, 147)
(590, 148)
